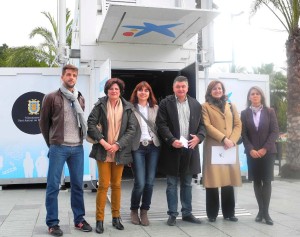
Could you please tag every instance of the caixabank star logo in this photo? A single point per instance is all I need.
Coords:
(26, 112)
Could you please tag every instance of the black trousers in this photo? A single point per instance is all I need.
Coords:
(213, 204)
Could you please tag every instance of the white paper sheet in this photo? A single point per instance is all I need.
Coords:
(184, 142)
(221, 156)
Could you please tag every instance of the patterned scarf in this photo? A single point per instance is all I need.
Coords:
(80, 114)
(256, 109)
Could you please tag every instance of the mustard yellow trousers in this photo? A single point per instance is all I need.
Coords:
(110, 174)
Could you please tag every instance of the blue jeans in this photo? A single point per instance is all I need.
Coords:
(144, 168)
(185, 195)
(58, 155)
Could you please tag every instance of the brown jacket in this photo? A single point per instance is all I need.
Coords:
(218, 125)
(52, 115)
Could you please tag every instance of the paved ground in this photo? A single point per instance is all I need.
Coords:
(22, 213)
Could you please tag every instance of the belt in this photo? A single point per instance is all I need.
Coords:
(146, 142)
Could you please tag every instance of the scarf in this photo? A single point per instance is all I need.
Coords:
(114, 118)
(79, 112)
(220, 103)
(256, 109)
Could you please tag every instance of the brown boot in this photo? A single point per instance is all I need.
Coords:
(144, 217)
(135, 217)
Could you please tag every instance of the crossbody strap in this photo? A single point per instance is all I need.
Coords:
(147, 122)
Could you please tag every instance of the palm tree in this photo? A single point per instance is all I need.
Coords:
(25, 56)
(288, 12)
(50, 44)
(3, 49)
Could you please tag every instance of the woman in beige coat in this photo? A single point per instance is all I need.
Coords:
(223, 127)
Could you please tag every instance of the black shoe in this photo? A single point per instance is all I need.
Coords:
(259, 217)
(55, 230)
(99, 227)
(171, 221)
(116, 222)
(83, 226)
(232, 218)
(268, 220)
(191, 218)
(212, 219)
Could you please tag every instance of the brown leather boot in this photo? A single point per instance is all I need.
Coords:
(135, 217)
(144, 217)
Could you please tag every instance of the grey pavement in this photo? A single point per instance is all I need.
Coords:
(22, 213)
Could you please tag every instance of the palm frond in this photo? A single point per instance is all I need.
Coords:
(26, 56)
(286, 11)
(53, 23)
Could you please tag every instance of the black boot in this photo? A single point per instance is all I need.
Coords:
(116, 222)
(268, 219)
(99, 227)
(259, 217)
(266, 191)
(259, 198)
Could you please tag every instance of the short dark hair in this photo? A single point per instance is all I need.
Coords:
(151, 100)
(181, 79)
(260, 91)
(69, 67)
(112, 81)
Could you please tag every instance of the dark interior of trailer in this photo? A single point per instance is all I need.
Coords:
(161, 82)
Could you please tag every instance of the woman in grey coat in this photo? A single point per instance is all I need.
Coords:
(146, 147)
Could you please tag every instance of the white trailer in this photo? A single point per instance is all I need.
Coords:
(135, 40)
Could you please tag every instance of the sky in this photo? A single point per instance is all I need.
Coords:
(255, 41)
(19, 17)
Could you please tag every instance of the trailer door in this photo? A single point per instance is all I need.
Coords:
(191, 73)
(105, 75)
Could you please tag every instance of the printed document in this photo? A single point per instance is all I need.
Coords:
(221, 156)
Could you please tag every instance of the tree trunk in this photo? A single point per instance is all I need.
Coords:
(292, 167)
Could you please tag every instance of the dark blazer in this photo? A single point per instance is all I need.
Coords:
(167, 123)
(265, 136)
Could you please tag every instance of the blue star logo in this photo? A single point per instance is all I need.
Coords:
(149, 27)
(229, 95)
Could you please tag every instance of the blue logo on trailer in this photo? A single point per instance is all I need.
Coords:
(149, 27)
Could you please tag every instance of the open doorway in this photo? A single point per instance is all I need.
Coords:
(162, 86)
(160, 81)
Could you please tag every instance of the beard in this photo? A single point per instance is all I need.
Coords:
(69, 85)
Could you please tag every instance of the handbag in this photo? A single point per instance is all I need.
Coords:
(240, 141)
(91, 140)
